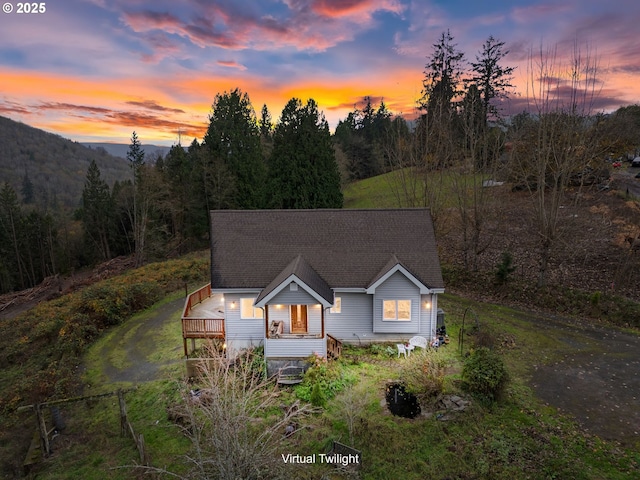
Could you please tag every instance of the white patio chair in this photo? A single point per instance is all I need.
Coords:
(402, 349)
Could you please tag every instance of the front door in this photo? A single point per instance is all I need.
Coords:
(298, 319)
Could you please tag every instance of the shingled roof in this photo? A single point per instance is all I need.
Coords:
(346, 248)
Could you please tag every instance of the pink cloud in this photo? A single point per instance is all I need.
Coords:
(231, 64)
(305, 26)
(342, 8)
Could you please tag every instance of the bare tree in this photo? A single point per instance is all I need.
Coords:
(417, 177)
(559, 141)
(236, 422)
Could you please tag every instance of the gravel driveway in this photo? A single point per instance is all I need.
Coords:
(597, 380)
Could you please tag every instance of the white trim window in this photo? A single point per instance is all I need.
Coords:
(248, 311)
(396, 310)
(337, 305)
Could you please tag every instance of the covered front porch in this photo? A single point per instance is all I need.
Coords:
(203, 317)
(297, 331)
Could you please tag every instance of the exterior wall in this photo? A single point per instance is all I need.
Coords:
(397, 287)
(294, 347)
(428, 315)
(355, 322)
(241, 333)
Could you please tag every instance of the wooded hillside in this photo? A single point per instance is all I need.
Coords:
(55, 167)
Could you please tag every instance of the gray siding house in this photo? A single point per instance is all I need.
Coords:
(300, 282)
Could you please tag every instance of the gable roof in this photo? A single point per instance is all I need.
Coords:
(393, 266)
(302, 273)
(345, 248)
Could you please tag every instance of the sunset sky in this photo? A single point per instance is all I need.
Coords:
(96, 70)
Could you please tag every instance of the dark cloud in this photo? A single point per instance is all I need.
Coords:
(70, 106)
(152, 105)
(142, 120)
(358, 103)
(12, 107)
(128, 118)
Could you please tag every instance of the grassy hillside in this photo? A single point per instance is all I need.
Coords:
(515, 438)
(57, 167)
(590, 255)
(41, 349)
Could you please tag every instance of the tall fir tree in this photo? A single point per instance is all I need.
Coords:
(139, 209)
(492, 79)
(303, 169)
(97, 213)
(232, 142)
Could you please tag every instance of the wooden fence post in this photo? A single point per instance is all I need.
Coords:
(123, 414)
(44, 435)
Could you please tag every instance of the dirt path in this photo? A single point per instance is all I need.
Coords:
(597, 380)
(131, 355)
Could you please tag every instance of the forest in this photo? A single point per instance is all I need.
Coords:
(457, 140)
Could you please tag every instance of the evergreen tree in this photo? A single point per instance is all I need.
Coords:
(135, 156)
(232, 143)
(442, 83)
(303, 168)
(139, 209)
(491, 78)
(97, 212)
(266, 122)
(438, 128)
(360, 137)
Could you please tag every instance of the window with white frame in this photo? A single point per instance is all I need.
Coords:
(396, 310)
(337, 305)
(247, 310)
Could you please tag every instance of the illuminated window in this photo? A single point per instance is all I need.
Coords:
(337, 305)
(396, 310)
(247, 310)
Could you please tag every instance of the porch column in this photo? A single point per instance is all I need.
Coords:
(266, 321)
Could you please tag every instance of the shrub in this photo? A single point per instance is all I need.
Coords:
(318, 398)
(329, 377)
(424, 374)
(484, 375)
(504, 268)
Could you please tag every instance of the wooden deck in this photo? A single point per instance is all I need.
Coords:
(203, 317)
(334, 347)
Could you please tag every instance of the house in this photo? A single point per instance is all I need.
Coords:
(301, 282)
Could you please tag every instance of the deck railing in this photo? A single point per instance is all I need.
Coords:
(202, 328)
(195, 298)
(334, 347)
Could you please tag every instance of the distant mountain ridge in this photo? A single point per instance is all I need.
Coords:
(55, 166)
(120, 149)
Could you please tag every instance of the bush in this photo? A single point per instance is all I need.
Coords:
(327, 377)
(504, 268)
(318, 398)
(424, 374)
(484, 375)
